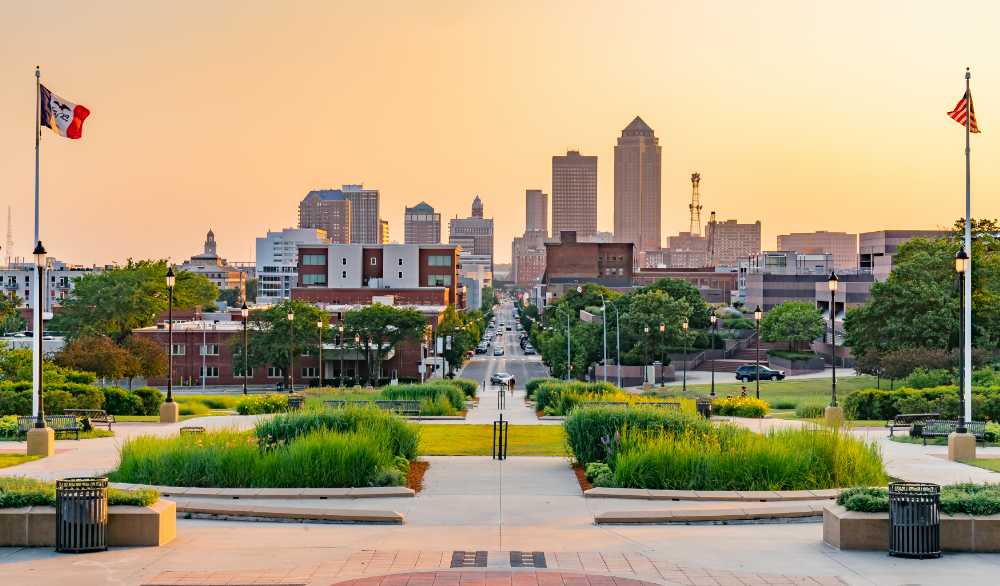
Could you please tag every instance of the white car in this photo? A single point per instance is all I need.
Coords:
(498, 350)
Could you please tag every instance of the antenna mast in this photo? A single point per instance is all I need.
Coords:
(695, 205)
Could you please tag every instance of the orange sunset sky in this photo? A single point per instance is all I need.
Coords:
(223, 114)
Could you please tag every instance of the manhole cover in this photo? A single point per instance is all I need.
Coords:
(527, 559)
(469, 559)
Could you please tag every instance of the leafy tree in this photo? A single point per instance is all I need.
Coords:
(465, 330)
(681, 289)
(232, 297)
(489, 299)
(10, 317)
(795, 322)
(97, 354)
(114, 302)
(147, 359)
(647, 310)
(272, 340)
(382, 327)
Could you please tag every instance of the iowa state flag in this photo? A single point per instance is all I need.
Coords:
(62, 116)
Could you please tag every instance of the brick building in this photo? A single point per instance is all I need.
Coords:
(422, 225)
(714, 286)
(730, 242)
(843, 247)
(606, 263)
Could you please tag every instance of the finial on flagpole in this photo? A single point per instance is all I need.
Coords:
(967, 74)
(38, 71)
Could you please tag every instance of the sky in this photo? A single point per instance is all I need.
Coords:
(224, 114)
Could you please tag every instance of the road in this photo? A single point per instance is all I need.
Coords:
(513, 361)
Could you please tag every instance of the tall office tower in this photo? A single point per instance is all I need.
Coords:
(329, 210)
(841, 245)
(383, 231)
(574, 194)
(422, 225)
(536, 211)
(365, 227)
(637, 187)
(695, 205)
(474, 234)
(734, 242)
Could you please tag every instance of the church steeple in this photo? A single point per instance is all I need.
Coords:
(477, 208)
(210, 243)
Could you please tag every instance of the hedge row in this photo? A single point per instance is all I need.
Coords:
(885, 404)
(114, 400)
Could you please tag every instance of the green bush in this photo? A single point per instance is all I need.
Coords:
(425, 391)
(262, 404)
(599, 474)
(468, 386)
(791, 355)
(118, 401)
(57, 401)
(15, 402)
(86, 396)
(533, 384)
(8, 426)
(734, 458)
(740, 407)
(549, 393)
(922, 378)
(18, 492)
(192, 408)
(992, 433)
(439, 407)
(810, 411)
(864, 499)
(402, 438)
(969, 499)
(151, 400)
(886, 404)
(593, 432)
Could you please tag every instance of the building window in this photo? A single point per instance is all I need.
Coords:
(372, 261)
(314, 279)
(209, 371)
(400, 262)
(273, 372)
(210, 350)
(343, 274)
(310, 371)
(400, 274)
(314, 259)
(238, 371)
(438, 260)
(439, 280)
(178, 350)
(343, 262)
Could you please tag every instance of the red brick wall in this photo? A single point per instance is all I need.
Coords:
(363, 296)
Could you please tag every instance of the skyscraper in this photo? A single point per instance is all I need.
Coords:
(536, 211)
(574, 194)
(733, 242)
(474, 234)
(637, 187)
(365, 226)
(422, 225)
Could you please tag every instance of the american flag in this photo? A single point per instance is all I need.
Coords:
(958, 114)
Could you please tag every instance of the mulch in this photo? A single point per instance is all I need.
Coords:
(581, 477)
(415, 478)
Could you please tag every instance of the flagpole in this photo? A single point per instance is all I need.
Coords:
(36, 306)
(967, 285)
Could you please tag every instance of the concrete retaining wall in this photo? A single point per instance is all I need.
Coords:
(845, 529)
(127, 526)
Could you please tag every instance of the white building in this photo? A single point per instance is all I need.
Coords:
(278, 258)
(475, 274)
(18, 279)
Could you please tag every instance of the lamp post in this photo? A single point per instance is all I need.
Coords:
(245, 313)
(618, 345)
(833, 282)
(170, 411)
(41, 439)
(357, 352)
(961, 266)
(568, 360)
(684, 326)
(757, 314)
(340, 344)
(663, 358)
(319, 327)
(604, 322)
(291, 350)
(645, 355)
(715, 328)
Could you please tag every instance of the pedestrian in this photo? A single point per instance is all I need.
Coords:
(743, 391)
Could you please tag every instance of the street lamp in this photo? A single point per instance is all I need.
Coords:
(715, 328)
(684, 326)
(319, 326)
(663, 359)
(171, 281)
(618, 345)
(340, 344)
(645, 356)
(568, 360)
(357, 352)
(961, 266)
(39, 253)
(757, 314)
(604, 321)
(245, 313)
(291, 350)
(833, 282)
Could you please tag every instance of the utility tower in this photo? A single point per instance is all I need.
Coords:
(695, 205)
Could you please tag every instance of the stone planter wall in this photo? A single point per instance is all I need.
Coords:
(127, 526)
(845, 529)
(816, 364)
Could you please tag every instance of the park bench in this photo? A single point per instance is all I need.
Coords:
(908, 420)
(63, 424)
(96, 416)
(661, 404)
(295, 402)
(192, 429)
(944, 427)
(406, 408)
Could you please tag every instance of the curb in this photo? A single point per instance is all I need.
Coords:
(275, 493)
(720, 515)
(189, 510)
(713, 495)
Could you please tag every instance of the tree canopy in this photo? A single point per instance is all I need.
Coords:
(273, 339)
(795, 322)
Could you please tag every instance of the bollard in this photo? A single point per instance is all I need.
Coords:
(501, 399)
(500, 439)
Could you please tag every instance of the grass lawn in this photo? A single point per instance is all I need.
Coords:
(475, 440)
(7, 460)
(992, 464)
(809, 391)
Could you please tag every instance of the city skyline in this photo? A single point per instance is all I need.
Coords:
(162, 160)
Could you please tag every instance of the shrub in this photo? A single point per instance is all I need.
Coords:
(193, 408)
(864, 499)
(599, 474)
(734, 458)
(591, 431)
(23, 492)
(15, 402)
(992, 433)
(791, 355)
(425, 391)
(86, 396)
(8, 426)
(532, 385)
(922, 378)
(468, 386)
(810, 411)
(968, 499)
(57, 401)
(785, 404)
(151, 400)
(262, 404)
(438, 407)
(118, 401)
(548, 393)
(740, 407)
(403, 438)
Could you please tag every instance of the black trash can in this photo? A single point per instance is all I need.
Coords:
(81, 515)
(914, 520)
(704, 407)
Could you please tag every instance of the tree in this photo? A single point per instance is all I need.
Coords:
(465, 331)
(232, 297)
(795, 322)
(97, 354)
(681, 289)
(10, 316)
(489, 300)
(114, 302)
(381, 328)
(272, 340)
(648, 309)
(148, 359)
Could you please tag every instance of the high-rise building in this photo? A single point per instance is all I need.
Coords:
(278, 260)
(383, 235)
(732, 242)
(574, 194)
(328, 210)
(536, 211)
(365, 221)
(637, 187)
(422, 225)
(841, 245)
(474, 234)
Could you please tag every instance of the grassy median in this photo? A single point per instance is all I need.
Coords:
(476, 440)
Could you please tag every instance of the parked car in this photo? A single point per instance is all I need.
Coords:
(481, 349)
(501, 378)
(498, 350)
(529, 350)
(745, 373)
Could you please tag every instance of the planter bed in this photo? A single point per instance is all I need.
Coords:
(845, 529)
(128, 526)
(712, 495)
(277, 493)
